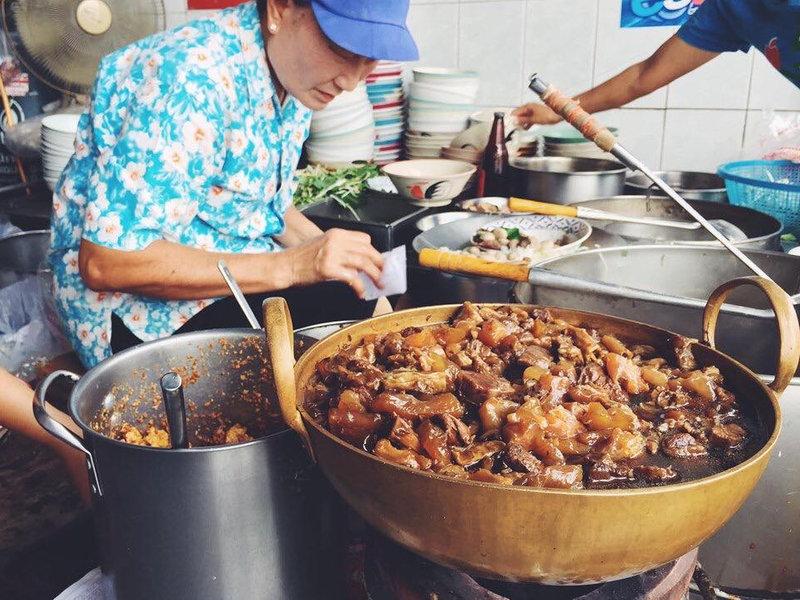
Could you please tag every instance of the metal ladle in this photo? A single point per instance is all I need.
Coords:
(571, 111)
(172, 391)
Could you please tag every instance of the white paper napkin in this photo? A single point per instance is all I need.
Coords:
(393, 279)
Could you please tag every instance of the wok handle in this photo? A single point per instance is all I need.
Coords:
(786, 321)
(541, 208)
(443, 260)
(57, 430)
(280, 343)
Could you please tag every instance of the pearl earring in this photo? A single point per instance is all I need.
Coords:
(272, 28)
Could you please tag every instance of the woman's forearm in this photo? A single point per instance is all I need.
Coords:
(299, 229)
(175, 272)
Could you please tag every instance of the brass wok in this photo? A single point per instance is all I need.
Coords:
(530, 534)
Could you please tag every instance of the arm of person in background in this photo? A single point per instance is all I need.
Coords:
(16, 414)
(176, 272)
(672, 60)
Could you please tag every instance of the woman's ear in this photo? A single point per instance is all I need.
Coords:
(275, 14)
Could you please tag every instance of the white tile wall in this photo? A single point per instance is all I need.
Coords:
(724, 82)
(436, 32)
(701, 120)
(640, 130)
(700, 140)
(770, 89)
(487, 30)
(545, 32)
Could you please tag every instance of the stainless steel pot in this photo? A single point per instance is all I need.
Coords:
(565, 180)
(763, 231)
(665, 285)
(205, 523)
(692, 185)
(22, 254)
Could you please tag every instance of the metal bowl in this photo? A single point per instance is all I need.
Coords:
(564, 180)
(761, 230)
(22, 254)
(431, 221)
(692, 185)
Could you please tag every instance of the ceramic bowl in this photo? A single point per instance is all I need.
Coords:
(429, 182)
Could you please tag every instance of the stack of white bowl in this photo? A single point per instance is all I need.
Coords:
(344, 131)
(385, 92)
(440, 104)
(58, 143)
(564, 140)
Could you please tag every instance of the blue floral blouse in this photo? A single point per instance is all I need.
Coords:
(185, 140)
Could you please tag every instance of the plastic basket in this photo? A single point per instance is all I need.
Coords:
(770, 186)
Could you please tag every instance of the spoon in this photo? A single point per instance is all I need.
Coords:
(300, 338)
(237, 293)
(172, 390)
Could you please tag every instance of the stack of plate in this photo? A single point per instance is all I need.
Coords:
(525, 143)
(344, 131)
(58, 141)
(469, 155)
(385, 92)
(564, 140)
(441, 102)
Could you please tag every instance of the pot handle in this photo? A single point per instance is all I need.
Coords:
(57, 430)
(280, 343)
(786, 320)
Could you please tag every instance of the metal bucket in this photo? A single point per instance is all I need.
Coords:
(204, 523)
(692, 185)
(565, 180)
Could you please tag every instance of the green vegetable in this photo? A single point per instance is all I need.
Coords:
(512, 233)
(788, 237)
(343, 185)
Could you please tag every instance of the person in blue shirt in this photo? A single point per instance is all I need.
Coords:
(770, 26)
(187, 155)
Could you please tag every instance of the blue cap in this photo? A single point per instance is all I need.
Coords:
(375, 29)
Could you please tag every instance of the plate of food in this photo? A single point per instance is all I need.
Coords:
(528, 239)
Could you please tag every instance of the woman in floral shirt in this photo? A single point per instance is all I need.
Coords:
(186, 156)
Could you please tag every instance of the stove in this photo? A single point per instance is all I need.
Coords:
(381, 570)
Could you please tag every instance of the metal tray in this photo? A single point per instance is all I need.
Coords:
(387, 218)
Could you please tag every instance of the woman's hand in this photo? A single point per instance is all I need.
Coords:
(336, 255)
(535, 114)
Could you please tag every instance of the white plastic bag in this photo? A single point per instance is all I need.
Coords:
(778, 137)
(29, 328)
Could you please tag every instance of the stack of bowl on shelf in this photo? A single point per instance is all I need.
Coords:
(385, 92)
(58, 142)
(440, 104)
(563, 140)
(344, 131)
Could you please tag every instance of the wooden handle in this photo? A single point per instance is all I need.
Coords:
(472, 265)
(541, 208)
(573, 114)
(280, 344)
(786, 321)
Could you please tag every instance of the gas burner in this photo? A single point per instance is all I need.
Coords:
(392, 573)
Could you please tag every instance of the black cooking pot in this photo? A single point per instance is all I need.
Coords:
(206, 523)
